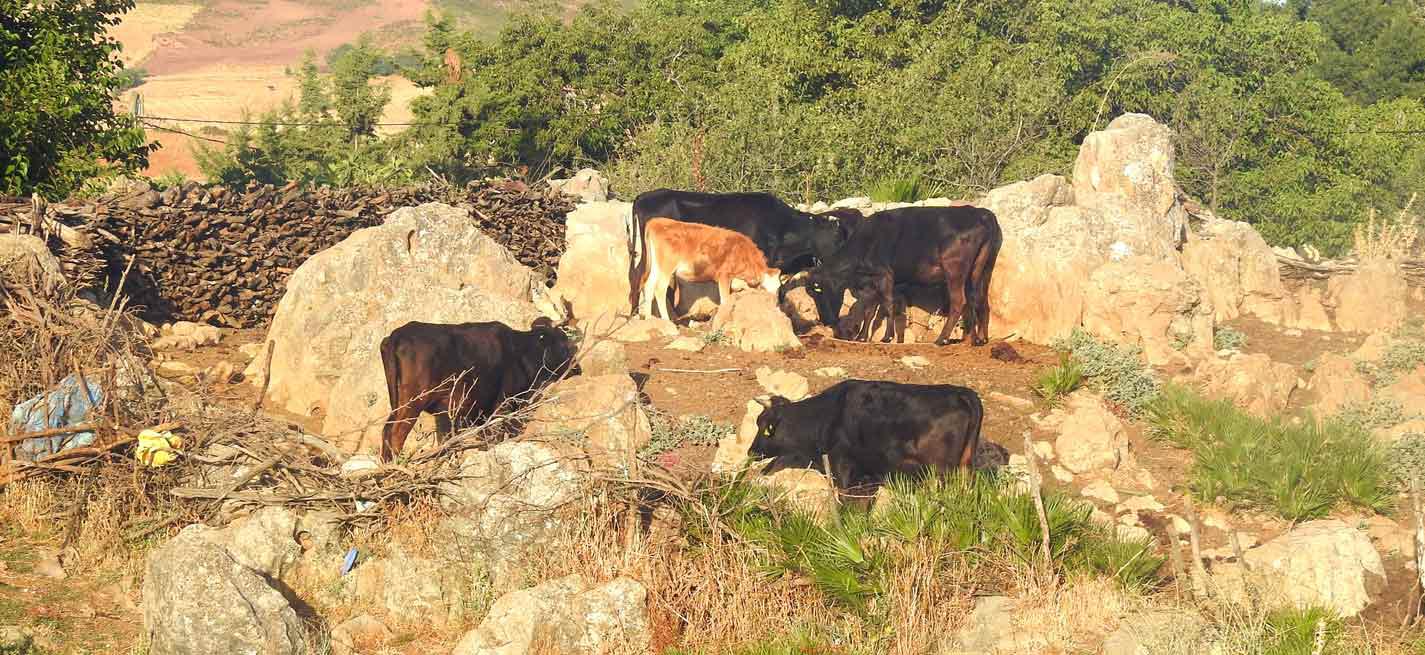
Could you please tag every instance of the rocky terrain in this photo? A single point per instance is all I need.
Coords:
(598, 528)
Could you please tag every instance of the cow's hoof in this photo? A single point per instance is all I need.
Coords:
(942, 342)
(886, 339)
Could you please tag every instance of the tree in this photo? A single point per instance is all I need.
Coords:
(358, 103)
(59, 74)
(1375, 49)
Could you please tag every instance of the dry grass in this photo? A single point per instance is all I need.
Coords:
(1388, 239)
(144, 23)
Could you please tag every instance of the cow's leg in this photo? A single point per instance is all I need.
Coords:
(954, 310)
(724, 301)
(399, 424)
(885, 289)
(901, 316)
(654, 289)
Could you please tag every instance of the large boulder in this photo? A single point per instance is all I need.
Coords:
(1253, 382)
(1037, 290)
(1324, 563)
(1306, 310)
(809, 490)
(1089, 437)
(24, 258)
(755, 324)
(1236, 269)
(509, 498)
(198, 599)
(599, 413)
(1337, 384)
(264, 541)
(588, 185)
(1409, 391)
(414, 590)
(1150, 303)
(1126, 172)
(1370, 299)
(593, 271)
(427, 263)
(566, 616)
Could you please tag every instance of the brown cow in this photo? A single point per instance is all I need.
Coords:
(693, 252)
(464, 372)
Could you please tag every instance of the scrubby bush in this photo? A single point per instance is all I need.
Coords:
(1299, 471)
(1375, 414)
(1407, 459)
(671, 431)
(1116, 371)
(1226, 338)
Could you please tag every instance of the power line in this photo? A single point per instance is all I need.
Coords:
(187, 134)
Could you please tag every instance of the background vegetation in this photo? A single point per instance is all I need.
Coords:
(1295, 117)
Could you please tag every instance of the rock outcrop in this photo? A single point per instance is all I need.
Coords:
(601, 414)
(1320, 563)
(1254, 382)
(593, 271)
(24, 258)
(1090, 438)
(587, 185)
(731, 453)
(1237, 270)
(428, 263)
(1149, 303)
(569, 616)
(198, 599)
(1126, 173)
(1370, 299)
(1337, 384)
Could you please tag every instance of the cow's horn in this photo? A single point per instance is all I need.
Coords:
(763, 401)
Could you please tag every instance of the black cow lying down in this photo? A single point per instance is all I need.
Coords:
(464, 372)
(870, 429)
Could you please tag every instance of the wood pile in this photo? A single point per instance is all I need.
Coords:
(222, 256)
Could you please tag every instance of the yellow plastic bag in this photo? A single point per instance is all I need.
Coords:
(157, 448)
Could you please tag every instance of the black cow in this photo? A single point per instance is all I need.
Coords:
(786, 236)
(953, 247)
(869, 429)
(464, 372)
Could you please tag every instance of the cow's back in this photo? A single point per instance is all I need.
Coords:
(883, 426)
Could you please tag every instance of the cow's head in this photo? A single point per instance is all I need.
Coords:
(772, 281)
(556, 345)
(831, 229)
(829, 292)
(767, 443)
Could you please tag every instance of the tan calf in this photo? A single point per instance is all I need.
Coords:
(693, 252)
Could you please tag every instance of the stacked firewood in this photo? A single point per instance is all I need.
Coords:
(222, 256)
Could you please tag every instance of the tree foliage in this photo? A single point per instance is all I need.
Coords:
(59, 73)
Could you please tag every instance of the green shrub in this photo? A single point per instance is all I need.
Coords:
(1059, 381)
(1116, 371)
(1299, 471)
(850, 555)
(899, 189)
(670, 432)
(131, 77)
(1298, 632)
(1407, 459)
(1226, 338)
(1377, 413)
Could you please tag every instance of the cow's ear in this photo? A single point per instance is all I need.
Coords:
(778, 401)
(543, 321)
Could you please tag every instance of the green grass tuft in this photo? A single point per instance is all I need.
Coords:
(1226, 338)
(1299, 471)
(1055, 383)
(900, 189)
(670, 432)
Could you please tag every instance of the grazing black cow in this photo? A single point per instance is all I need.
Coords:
(786, 236)
(463, 372)
(869, 429)
(953, 247)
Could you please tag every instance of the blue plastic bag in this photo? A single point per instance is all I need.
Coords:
(65, 405)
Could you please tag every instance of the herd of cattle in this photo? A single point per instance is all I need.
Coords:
(865, 429)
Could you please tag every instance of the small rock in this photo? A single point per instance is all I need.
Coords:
(808, 489)
(915, 362)
(1132, 532)
(14, 639)
(1061, 474)
(174, 369)
(689, 344)
(568, 615)
(48, 565)
(1129, 518)
(991, 629)
(637, 330)
(830, 372)
(1100, 490)
(1292, 332)
(359, 465)
(1143, 503)
(1180, 525)
(1390, 537)
(1044, 450)
(361, 634)
(783, 383)
(1013, 401)
(221, 373)
(1004, 352)
(605, 357)
(250, 350)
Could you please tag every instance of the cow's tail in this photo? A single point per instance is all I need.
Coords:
(392, 367)
(637, 260)
(978, 283)
(644, 270)
(972, 435)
